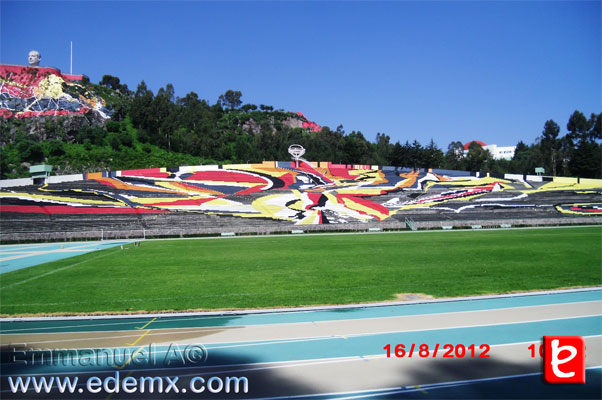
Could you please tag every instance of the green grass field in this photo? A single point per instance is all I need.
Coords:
(293, 271)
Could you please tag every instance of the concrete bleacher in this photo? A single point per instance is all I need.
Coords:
(538, 208)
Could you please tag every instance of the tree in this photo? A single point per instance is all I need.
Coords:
(595, 122)
(113, 82)
(454, 155)
(477, 157)
(382, 149)
(356, 149)
(526, 158)
(397, 155)
(192, 111)
(168, 92)
(577, 126)
(30, 151)
(433, 156)
(55, 148)
(248, 107)
(586, 162)
(141, 108)
(142, 90)
(231, 99)
(161, 118)
(586, 159)
(114, 142)
(110, 81)
(550, 145)
(415, 154)
(578, 146)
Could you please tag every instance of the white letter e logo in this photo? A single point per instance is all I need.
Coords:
(556, 361)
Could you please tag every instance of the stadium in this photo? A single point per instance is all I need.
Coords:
(252, 250)
(142, 257)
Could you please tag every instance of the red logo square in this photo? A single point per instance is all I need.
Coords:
(564, 359)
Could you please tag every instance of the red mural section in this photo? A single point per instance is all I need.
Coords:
(36, 91)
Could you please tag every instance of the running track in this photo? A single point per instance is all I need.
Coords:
(18, 256)
(332, 353)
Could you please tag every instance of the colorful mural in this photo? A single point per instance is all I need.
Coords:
(35, 91)
(312, 193)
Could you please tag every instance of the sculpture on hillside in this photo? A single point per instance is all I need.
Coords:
(296, 151)
(34, 58)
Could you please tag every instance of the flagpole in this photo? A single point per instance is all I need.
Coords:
(71, 64)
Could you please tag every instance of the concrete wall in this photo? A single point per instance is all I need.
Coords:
(15, 182)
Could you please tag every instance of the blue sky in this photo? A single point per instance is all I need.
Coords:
(488, 70)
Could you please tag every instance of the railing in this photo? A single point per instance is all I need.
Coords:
(411, 224)
(142, 233)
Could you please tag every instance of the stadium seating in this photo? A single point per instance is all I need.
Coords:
(279, 196)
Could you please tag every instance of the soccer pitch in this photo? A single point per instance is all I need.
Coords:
(274, 271)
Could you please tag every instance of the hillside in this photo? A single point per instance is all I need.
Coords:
(78, 126)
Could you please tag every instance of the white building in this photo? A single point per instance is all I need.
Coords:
(498, 152)
(501, 152)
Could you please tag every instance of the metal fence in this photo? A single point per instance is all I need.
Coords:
(141, 233)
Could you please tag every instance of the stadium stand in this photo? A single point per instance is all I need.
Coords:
(280, 197)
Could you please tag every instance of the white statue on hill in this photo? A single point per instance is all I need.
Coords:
(34, 58)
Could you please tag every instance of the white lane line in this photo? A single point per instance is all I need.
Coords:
(269, 365)
(259, 366)
(29, 246)
(54, 244)
(11, 331)
(352, 335)
(81, 248)
(307, 309)
(297, 363)
(435, 386)
(280, 364)
(301, 363)
(361, 394)
(243, 343)
(43, 253)
(146, 299)
(21, 252)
